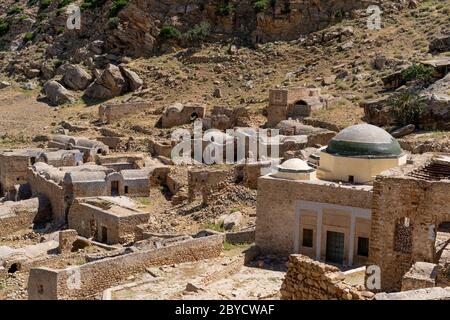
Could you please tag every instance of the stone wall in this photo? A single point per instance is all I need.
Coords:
(307, 279)
(94, 277)
(40, 186)
(111, 112)
(15, 216)
(276, 207)
(420, 294)
(406, 211)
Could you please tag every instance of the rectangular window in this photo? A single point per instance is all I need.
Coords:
(307, 238)
(351, 179)
(363, 246)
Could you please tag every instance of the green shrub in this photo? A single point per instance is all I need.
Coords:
(225, 9)
(215, 226)
(408, 108)
(28, 36)
(169, 32)
(117, 6)
(15, 10)
(4, 27)
(64, 3)
(60, 30)
(417, 72)
(113, 22)
(90, 4)
(45, 4)
(31, 3)
(199, 32)
(261, 5)
(57, 63)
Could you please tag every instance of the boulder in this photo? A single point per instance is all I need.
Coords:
(403, 131)
(57, 94)
(109, 84)
(440, 42)
(76, 78)
(232, 220)
(134, 81)
(4, 84)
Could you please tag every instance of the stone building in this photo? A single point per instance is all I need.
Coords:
(358, 153)
(13, 170)
(178, 114)
(327, 217)
(89, 148)
(293, 103)
(61, 158)
(63, 185)
(410, 208)
(109, 220)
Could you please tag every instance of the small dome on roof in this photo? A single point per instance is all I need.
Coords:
(364, 140)
(295, 165)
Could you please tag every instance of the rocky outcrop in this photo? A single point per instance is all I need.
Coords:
(109, 84)
(440, 42)
(134, 81)
(76, 78)
(57, 94)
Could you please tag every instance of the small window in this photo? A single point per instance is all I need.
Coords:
(363, 246)
(307, 238)
(126, 189)
(351, 179)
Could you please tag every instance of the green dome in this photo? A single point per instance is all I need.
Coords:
(364, 140)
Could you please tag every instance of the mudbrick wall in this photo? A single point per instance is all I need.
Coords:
(85, 281)
(307, 279)
(405, 214)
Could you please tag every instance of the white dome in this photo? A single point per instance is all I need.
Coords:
(295, 165)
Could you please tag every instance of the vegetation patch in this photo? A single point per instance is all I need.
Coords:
(15, 10)
(199, 33)
(169, 32)
(113, 22)
(418, 72)
(64, 3)
(116, 7)
(44, 4)
(4, 27)
(408, 108)
(29, 36)
(263, 5)
(225, 10)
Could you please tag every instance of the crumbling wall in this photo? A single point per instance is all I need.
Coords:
(85, 281)
(15, 216)
(111, 112)
(40, 186)
(307, 279)
(404, 223)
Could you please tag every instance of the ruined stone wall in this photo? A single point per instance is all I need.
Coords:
(45, 283)
(15, 216)
(276, 208)
(52, 191)
(307, 279)
(394, 246)
(13, 170)
(89, 220)
(111, 112)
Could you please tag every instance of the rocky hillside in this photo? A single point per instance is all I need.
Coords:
(215, 52)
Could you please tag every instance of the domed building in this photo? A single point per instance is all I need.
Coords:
(358, 154)
(295, 169)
